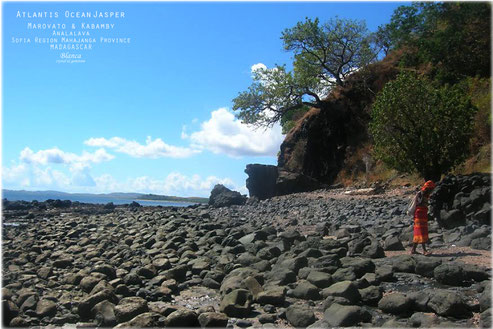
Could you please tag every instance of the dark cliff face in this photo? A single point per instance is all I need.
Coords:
(319, 143)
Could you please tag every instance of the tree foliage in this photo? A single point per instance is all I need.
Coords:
(324, 55)
(420, 127)
(454, 37)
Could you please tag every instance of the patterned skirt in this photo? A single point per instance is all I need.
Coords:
(421, 225)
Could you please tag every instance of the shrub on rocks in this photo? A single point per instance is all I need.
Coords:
(300, 316)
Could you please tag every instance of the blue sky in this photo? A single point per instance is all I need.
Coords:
(152, 115)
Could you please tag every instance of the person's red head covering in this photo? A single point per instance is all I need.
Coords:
(429, 185)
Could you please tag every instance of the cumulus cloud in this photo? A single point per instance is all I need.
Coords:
(256, 67)
(173, 184)
(223, 133)
(152, 149)
(55, 155)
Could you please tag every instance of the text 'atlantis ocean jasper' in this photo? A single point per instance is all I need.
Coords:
(70, 14)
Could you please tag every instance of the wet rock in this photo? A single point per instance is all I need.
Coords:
(300, 316)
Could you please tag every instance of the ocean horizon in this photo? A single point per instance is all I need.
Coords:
(12, 195)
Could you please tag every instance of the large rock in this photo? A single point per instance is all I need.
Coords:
(450, 273)
(222, 196)
(213, 320)
(182, 318)
(86, 305)
(323, 138)
(344, 315)
(300, 316)
(306, 290)
(345, 289)
(395, 303)
(130, 307)
(448, 303)
(236, 303)
(261, 181)
(45, 307)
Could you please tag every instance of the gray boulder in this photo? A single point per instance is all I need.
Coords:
(300, 316)
(448, 303)
(222, 196)
(395, 303)
(345, 315)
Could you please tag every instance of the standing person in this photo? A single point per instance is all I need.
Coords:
(421, 217)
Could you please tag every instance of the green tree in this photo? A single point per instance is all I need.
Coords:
(454, 37)
(419, 127)
(324, 55)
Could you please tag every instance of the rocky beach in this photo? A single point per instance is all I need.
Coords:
(334, 257)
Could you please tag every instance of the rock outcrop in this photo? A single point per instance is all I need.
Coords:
(222, 196)
(315, 150)
(266, 181)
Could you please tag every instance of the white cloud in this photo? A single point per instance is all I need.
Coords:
(79, 179)
(55, 155)
(152, 149)
(173, 184)
(223, 133)
(257, 67)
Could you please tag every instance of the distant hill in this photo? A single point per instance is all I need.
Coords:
(172, 198)
(22, 194)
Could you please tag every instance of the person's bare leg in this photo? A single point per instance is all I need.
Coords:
(413, 250)
(425, 252)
